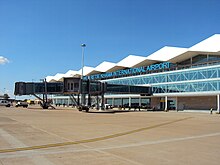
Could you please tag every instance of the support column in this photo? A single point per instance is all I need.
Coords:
(78, 100)
(139, 101)
(218, 104)
(129, 102)
(97, 102)
(176, 104)
(103, 102)
(84, 99)
(89, 100)
(165, 106)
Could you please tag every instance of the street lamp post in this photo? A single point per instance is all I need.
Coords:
(82, 95)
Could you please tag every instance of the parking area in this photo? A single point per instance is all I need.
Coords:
(67, 136)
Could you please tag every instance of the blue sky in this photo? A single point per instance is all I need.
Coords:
(43, 37)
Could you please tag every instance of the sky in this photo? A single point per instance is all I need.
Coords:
(40, 38)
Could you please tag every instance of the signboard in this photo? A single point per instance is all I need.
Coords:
(130, 71)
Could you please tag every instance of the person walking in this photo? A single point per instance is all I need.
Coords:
(211, 110)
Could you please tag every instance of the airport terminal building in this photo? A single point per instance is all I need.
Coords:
(179, 78)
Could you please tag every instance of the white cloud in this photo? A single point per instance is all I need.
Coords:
(3, 60)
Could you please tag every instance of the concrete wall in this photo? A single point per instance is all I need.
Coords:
(190, 103)
(197, 103)
(155, 102)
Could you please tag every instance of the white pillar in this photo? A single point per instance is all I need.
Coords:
(218, 104)
(165, 108)
(129, 102)
(177, 103)
(139, 101)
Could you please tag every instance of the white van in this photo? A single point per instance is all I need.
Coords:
(5, 103)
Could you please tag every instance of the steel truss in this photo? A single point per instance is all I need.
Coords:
(190, 80)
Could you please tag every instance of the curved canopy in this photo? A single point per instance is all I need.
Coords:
(168, 53)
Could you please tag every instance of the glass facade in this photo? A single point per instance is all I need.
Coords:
(200, 59)
(191, 77)
(187, 80)
(117, 102)
(124, 102)
(109, 101)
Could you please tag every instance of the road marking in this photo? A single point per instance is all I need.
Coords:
(89, 140)
(14, 142)
(11, 139)
(88, 147)
(72, 150)
(162, 141)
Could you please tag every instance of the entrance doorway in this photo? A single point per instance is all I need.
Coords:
(171, 104)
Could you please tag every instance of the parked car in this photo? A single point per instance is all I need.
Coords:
(108, 106)
(21, 104)
(5, 103)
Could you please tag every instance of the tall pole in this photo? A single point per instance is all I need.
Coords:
(45, 86)
(82, 96)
